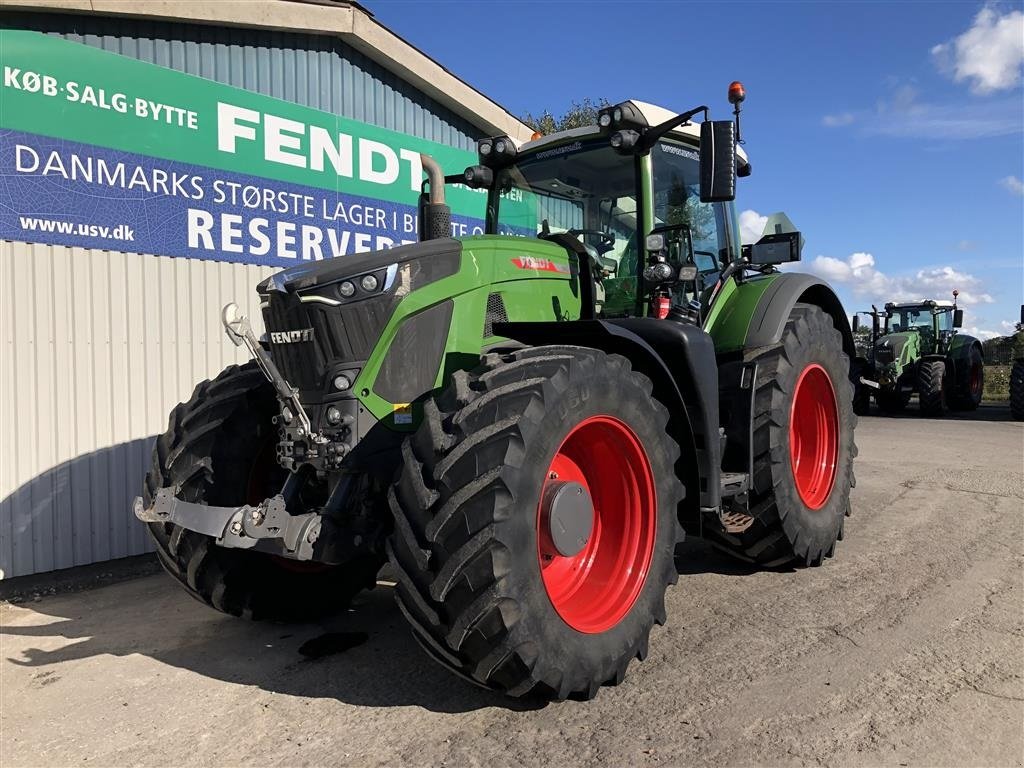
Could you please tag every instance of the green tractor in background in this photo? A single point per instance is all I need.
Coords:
(916, 347)
(523, 423)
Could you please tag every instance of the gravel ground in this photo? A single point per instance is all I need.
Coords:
(906, 649)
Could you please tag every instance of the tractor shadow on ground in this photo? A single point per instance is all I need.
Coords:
(995, 412)
(365, 656)
(696, 556)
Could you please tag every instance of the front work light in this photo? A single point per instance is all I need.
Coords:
(496, 152)
(369, 283)
(624, 141)
(478, 176)
(624, 115)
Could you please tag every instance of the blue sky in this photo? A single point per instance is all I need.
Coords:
(891, 133)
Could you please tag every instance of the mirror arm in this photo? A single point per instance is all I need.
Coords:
(655, 133)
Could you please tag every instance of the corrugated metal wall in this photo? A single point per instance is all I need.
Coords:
(100, 345)
(313, 70)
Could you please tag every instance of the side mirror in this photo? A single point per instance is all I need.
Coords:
(958, 318)
(717, 161)
(779, 248)
(856, 323)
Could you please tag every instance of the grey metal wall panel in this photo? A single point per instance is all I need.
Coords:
(98, 347)
(316, 71)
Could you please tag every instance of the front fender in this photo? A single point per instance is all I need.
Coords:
(755, 314)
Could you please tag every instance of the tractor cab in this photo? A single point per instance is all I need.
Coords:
(935, 322)
(644, 199)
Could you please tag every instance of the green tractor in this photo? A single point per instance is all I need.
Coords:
(916, 347)
(523, 423)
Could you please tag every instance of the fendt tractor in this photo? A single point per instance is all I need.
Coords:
(523, 423)
(917, 347)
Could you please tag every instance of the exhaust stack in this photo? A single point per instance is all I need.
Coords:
(435, 217)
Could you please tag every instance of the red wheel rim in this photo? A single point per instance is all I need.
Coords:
(594, 590)
(975, 378)
(814, 436)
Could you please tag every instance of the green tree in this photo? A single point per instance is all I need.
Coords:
(579, 114)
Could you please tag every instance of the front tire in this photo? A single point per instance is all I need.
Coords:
(803, 448)
(490, 592)
(215, 451)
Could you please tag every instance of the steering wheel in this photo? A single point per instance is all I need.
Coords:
(606, 239)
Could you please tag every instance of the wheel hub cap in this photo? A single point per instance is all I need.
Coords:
(567, 517)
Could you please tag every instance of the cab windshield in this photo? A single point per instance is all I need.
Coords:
(586, 188)
(578, 186)
(907, 318)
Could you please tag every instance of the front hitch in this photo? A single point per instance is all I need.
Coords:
(265, 527)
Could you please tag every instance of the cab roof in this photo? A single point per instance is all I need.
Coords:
(652, 113)
(920, 303)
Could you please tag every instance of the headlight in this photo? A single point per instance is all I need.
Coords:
(369, 283)
(604, 120)
(688, 273)
(661, 272)
(484, 148)
(347, 290)
(342, 383)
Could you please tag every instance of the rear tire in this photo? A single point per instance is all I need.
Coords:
(1017, 390)
(793, 519)
(207, 454)
(861, 392)
(474, 567)
(970, 382)
(931, 387)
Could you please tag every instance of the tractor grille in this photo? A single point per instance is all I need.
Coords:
(496, 313)
(341, 334)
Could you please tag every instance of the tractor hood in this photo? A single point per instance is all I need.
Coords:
(305, 276)
(895, 348)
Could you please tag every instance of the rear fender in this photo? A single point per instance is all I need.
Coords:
(679, 360)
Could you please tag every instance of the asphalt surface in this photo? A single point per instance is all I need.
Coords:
(906, 649)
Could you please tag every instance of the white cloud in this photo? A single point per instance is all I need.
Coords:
(837, 121)
(989, 54)
(967, 245)
(981, 333)
(901, 115)
(858, 273)
(751, 226)
(1014, 185)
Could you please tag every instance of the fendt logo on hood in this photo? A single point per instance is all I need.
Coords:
(290, 337)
